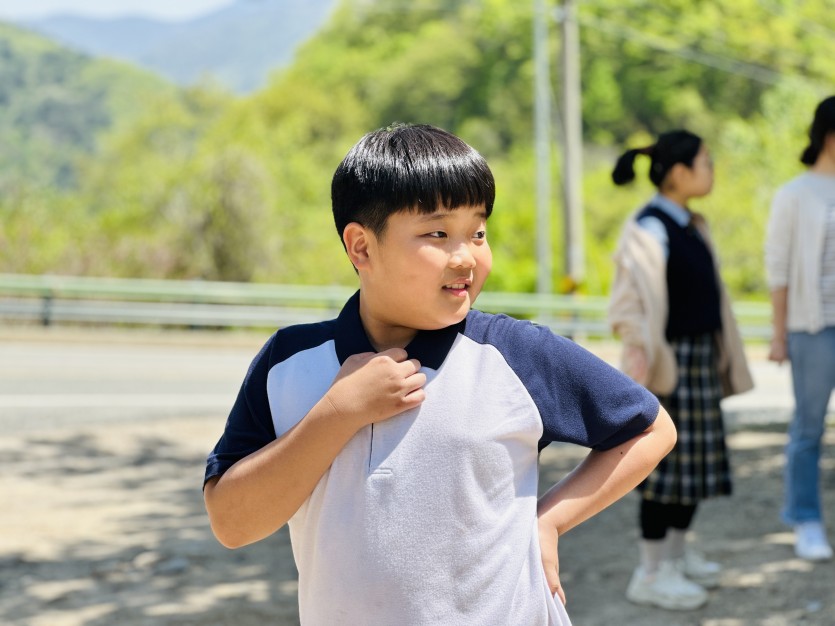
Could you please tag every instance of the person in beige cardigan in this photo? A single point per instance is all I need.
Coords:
(800, 266)
(680, 340)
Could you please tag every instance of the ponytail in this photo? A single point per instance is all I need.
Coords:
(677, 146)
(624, 171)
(810, 154)
(822, 125)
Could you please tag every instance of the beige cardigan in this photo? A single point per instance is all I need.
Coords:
(794, 247)
(638, 312)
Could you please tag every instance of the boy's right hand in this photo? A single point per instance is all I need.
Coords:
(371, 387)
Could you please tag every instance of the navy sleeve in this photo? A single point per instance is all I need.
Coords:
(250, 425)
(581, 398)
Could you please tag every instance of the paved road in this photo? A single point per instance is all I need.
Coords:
(84, 377)
(57, 376)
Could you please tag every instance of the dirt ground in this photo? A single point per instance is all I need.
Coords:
(105, 525)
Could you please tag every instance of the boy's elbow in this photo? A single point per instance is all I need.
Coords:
(225, 537)
(232, 534)
(225, 530)
(665, 430)
(230, 524)
(228, 532)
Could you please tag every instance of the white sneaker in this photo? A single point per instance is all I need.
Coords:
(811, 543)
(693, 566)
(666, 588)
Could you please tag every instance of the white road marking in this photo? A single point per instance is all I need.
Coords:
(93, 400)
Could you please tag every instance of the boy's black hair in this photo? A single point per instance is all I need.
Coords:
(676, 146)
(822, 125)
(408, 168)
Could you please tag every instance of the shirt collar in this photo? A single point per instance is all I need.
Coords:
(430, 347)
(677, 213)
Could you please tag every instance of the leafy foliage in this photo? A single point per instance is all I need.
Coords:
(207, 184)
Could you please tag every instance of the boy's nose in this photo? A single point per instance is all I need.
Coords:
(462, 257)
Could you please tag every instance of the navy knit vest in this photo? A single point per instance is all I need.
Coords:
(692, 289)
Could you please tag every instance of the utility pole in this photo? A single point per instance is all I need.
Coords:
(542, 141)
(572, 125)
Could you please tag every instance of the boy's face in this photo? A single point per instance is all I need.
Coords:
(423, 273)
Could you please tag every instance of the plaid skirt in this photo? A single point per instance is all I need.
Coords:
(698, 466)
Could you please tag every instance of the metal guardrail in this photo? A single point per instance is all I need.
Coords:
(50, 299)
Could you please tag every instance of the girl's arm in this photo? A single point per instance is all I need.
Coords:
(779, 310)
(779, 233)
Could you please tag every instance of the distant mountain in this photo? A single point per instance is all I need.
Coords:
(238, 45)
(55, 102)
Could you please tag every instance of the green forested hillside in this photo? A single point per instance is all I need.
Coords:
(56, 108)
(206, 185)
(55, 103)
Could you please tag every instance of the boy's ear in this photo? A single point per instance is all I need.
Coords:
(356, 239)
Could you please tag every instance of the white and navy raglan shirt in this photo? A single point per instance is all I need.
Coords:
(429, 517)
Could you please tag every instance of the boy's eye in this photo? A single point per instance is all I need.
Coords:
(438, 234)
(481, 234)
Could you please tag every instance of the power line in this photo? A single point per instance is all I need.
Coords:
(759, 73)
(808, 25)
(727, 64)
(730, 65)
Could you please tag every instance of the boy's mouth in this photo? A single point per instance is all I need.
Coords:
(458, 288)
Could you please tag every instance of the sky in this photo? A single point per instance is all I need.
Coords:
(16, 10)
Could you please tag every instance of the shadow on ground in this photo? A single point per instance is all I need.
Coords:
(137, 547)
(763, 582)
(108, 528)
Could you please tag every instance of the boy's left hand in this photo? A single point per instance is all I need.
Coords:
(548, 543)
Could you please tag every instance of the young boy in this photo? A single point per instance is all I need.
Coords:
(400, 440)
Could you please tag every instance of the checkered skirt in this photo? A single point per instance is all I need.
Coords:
(698, 466)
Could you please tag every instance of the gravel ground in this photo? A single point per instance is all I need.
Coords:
(104, 525)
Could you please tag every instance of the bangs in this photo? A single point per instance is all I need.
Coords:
(443, 181)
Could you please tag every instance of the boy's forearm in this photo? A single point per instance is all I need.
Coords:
(262, 491)
(605, 476)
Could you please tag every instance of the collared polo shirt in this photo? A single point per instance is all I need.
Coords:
(429, 517)
(656, 227)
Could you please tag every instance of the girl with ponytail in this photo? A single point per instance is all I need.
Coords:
(672, 313)
(800, 265)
